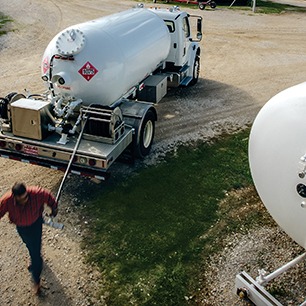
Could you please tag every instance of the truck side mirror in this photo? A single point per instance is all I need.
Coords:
(199, 28)
(199, 25)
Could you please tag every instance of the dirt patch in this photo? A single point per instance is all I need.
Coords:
(66, 278)
(246, 59)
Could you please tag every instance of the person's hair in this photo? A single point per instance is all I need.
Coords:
(19, 189)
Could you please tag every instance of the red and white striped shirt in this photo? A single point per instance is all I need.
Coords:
(27, 214)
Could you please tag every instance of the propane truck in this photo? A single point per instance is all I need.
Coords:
(103, 78)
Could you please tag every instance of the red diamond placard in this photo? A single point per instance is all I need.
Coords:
(88, 71)
(46, 65)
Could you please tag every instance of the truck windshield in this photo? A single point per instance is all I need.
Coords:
(170, 25)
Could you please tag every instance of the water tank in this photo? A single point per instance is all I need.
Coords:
(100, 60)
(277, 155)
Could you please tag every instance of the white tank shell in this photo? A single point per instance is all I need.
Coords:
(277, 143)
(111, 55)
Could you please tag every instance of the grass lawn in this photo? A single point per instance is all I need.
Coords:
(268, 7)
(262, 6)
(148, 232)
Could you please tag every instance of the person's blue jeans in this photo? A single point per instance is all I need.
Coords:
(31, 236)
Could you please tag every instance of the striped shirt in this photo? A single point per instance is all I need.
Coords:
(27, 214)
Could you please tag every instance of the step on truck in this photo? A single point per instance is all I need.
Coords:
(103, 78)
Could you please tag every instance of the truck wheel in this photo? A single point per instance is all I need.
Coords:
(146, 135)
(213, 4)
(196, 71)
(201, 6)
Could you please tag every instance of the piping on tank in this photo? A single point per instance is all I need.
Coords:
(101, 60)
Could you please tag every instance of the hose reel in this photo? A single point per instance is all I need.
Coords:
(103, 124)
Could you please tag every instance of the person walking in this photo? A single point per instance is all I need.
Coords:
(25, 206)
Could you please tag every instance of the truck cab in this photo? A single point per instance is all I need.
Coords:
(184, 55)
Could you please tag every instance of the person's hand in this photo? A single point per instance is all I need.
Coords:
(54, 212)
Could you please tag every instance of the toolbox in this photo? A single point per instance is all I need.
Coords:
(155, 88)
(30, 118)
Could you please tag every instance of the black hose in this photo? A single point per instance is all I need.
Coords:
(50, 75)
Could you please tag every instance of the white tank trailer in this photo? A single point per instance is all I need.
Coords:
(103, 78)
(110, 55)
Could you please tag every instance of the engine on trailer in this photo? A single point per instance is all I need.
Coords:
(38, 116)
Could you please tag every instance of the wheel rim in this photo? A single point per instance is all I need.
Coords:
(148, 134)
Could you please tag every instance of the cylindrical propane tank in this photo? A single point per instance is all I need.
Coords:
(277, 154)
(101, 60)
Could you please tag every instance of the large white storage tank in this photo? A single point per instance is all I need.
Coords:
(277, 154)
(110, 55)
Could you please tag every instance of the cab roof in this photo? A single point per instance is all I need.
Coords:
(172, 13)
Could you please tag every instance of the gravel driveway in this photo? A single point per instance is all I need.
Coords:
(246, 59)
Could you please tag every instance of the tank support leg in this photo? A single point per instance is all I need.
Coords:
(262, 279)
(249, 289)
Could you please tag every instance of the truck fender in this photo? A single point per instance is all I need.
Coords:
(141, 116)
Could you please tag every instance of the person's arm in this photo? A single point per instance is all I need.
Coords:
(50, 201)
(3, 207)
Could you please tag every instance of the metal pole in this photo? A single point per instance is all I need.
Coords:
(232, 3)
(70, 161)
(254, 6)
(262, 279)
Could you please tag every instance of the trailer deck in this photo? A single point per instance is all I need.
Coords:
(93, 158)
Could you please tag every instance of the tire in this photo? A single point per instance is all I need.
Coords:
(196, 70)
(146, 135)
(213, 4)
(201, 6)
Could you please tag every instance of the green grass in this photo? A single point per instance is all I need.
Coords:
(4, 20)
(263, 7)
(149, 3)
(268, 7)
(150, 233)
